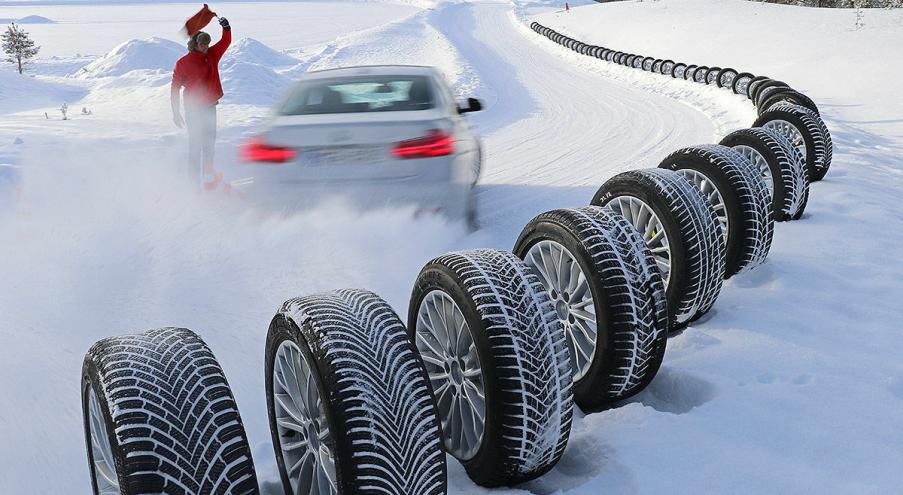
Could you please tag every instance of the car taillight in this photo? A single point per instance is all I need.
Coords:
(257, 150)
(436, 143)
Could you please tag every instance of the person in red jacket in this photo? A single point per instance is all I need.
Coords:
(198, 73)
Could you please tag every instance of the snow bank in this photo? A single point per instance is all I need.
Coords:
(252, 84)
(19, 92)
(249, 50)
(134, 54)
(35, 19)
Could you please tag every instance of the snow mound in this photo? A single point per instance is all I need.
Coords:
(252, 84)
(35, 19)
(152, 53)
(252, 51)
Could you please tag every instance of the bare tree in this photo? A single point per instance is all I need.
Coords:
(18, 47)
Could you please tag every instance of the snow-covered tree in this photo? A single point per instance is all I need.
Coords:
(18, 47)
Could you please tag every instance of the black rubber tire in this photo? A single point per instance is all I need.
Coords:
(690, 72)
(170, 417)
(647, 63)
(740, 82)
(629, 60)
(711, 75)
(700, 74)
(579, 47)
(603, 54)
(725, 78)
(373, 389)
(638, 62)
(628, 294)
(678, 71)
(819, 146)
(657, 66)
(696, 243)
(525, 365)
(666, 67)
(616, 58)
(786, 168)
(757, 91)
(746, 199)
(771, 96)
(754, 83)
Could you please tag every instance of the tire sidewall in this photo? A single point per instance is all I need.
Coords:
(91, 378)
(283, 328)
(778, 194)
(546, 229)
(676, 287)
(483, 465)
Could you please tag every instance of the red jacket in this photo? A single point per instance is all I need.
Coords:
(199, 73)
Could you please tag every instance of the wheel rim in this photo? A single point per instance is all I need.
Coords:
(647, 223)
(573, 300)
(712, 196)
(105, 476)
(789, 131)
(760, 163)
(304, 437)
(446, 345)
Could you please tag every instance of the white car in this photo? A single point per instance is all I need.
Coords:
(375, 135)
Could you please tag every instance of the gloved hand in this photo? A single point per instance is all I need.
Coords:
(225, 23)
(177, 120)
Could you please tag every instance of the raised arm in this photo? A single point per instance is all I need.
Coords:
(216, 51)
(175, 95)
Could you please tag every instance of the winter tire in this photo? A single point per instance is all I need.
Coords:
(740, 82)
(638, 62)
(711, 75)
(725, 77)
(690, 74)
(608, 294)
(348, 398)
(666, 67)
(808, 133)
(680, 229)
(701, 74)
(647, 64)
(762, 86)
(771, 96)
(657, 66)
(629, 60)
(159, 417)
(780, 165)
(734, 188)
(679, 70)
(756, 81)
(498, 361)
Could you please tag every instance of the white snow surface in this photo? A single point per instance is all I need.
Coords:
(792, 384)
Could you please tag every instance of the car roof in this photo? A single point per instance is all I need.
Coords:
(368, 70)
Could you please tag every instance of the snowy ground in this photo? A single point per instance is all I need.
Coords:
(792, 385)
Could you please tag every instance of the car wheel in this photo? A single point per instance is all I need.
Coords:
(735, 190)
(349, 401)
(681, 231)
(608, 294)
(498, 361)
(806, 131)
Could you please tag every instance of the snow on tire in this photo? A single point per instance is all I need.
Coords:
(806, 130)
(349, 401)
(680, 229)
(499, 364)
(159, 417)
(781, 166)
(608, 294)
(734, 188)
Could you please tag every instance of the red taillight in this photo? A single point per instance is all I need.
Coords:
(436, 143)
(256, 150)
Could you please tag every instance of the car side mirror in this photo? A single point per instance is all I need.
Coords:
(473, 105)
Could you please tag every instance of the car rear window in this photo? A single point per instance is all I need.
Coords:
(360, 94)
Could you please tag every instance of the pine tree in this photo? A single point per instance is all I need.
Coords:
(18, 47)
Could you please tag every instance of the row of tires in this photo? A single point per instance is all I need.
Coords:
(774, 99)
(496, 350)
